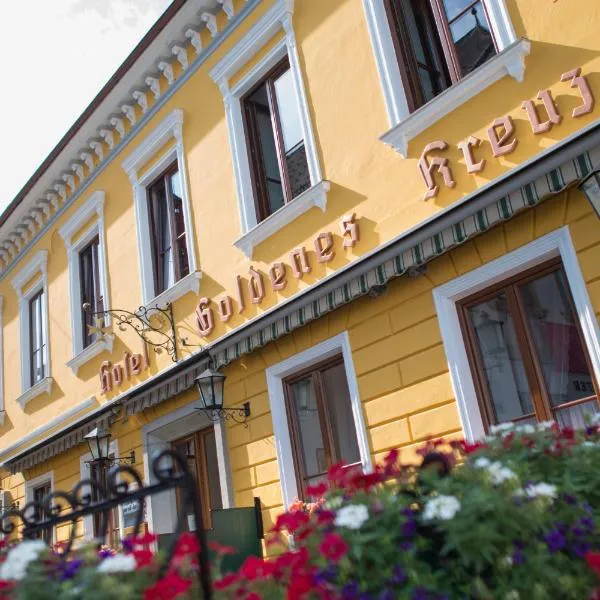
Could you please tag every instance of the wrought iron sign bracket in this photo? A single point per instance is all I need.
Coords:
(116, 460)
(154, 325)
(238, 415)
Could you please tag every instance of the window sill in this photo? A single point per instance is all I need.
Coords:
(189, 283)
(313, 196)
(511, 61)
(41, 387)
(100, 345)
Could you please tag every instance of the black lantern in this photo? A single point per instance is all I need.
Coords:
(99, 442)
(590, 186)
(210, 384)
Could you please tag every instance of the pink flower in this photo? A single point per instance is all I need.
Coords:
(167, 588)
(333, 547)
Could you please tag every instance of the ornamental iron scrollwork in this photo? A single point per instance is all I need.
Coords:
(154, 325)
(238, 415)
(121, 485)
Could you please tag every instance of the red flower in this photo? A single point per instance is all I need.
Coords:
(325, 517)
(257, 568)
(187, 544)
(167, 588)
(225, 582)
(300, 587)
(292, 521)
(220, 549)
(333, 547)
(294, 561)
(317, 490)
(593, 561)
(143, 558)
(142, 540)
(253, 596)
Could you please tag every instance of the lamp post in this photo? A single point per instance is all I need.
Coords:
(99, 443)
(590, 186)
(211, 384)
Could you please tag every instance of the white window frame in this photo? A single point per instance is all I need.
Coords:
(277, 18)
(339, 344)
(94, 206)
(2, 409)
(158, 436)
(85, 473)
(38, 265)
(405, 126)
(31, 484)
(169, 129)
(446, 297)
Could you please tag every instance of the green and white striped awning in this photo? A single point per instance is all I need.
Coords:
(527, 196)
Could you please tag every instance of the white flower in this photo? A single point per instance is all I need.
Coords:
(441, 507)
(482, 463)
(352, 516)
(595, 419)
(537, 490)
(119, 563)
(501, 428)
(499, 473)
(588, 444)
(526, 428)
(543, 425)
(512, 595)
(18, 559)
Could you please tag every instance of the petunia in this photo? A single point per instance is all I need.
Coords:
(333, 547)
(187, 544)
(168, 587)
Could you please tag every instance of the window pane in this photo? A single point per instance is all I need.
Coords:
(268, 150)
(212, 469)
(161, 237)
(472, 39)
(556, 339)
(339, 412)
(287, 106)
(575, 416)
(454, 7)
(179, 225)
(504, 372)
(90, 288)
(304, 403)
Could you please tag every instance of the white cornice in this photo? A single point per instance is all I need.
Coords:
(510, 61)
(103, 344)
(251, 43)
(94, 205)
(38, 264)
(41, 387)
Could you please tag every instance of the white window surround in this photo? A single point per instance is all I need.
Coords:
(169, 128)
(31, 484)
(405, 126)
(283, 442)
(278, 17)
(84, 472)
(93, 206)
(2, 410)
(38, 265)
(156, 437)
(556, 243)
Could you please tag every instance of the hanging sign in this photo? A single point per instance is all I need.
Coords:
(501, 134)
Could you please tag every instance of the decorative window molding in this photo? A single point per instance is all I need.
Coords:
(405, 126)
(157, 436)
(170, 128)
(38, 265)
(314, 196)
(36, 482)
(278, 17)
(2, 409)
(556, 243)
(94, 206)
(275, 376)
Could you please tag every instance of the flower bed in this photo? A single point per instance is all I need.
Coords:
(516, 519)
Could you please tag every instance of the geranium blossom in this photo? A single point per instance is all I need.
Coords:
(441, 507)
(333, 547)
(168, 588)
(352, 516)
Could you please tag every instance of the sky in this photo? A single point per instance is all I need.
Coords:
(57, 54)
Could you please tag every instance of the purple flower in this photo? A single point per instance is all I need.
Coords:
(387, 594)
(326, 575)
(421, 593)
(409, 528)
(350, 591)
(106, 552)
(365, 596)
(405, 546)
(578, 531)
(569, 499)
(69, 569)
(580, 549)
(399, 577)
(518, 558)
(587, 523)
(555, 541)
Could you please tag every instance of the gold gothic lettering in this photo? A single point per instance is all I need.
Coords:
(437, 162)
(113, 375)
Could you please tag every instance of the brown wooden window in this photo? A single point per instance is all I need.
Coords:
(99, 473)
(167, 228)
(437, 43)
(527, 352)
(275, 141)
(321, 421)
(37, 338)
(200, 450)
(39, 493)
(89, 281)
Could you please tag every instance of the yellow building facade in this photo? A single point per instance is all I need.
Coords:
(365, 214)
